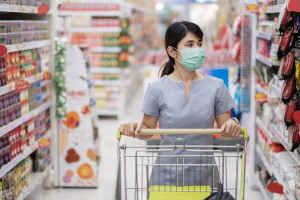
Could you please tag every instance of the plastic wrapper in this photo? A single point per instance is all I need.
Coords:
(286, 68)
(284, 17)
(285, 42)
(289, 112)
(288, 90)
(296, 138)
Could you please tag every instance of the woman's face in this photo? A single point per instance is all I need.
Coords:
(189, 41)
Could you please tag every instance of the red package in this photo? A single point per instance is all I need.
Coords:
(288, 90)
(286, 68)
(296, 138)
(286, 17)
(289, 112)
(285, 42)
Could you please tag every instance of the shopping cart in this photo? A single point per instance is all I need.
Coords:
(137, 163)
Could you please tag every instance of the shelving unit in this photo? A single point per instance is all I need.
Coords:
(270, 131)
(92, 13)
(27, 13)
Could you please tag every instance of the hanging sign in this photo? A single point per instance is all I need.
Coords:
(43, 9)
(47, 76)
(261, 98)
(253, 8)
(294, 6)
(21, 85)
(3, 50)
(44, 143)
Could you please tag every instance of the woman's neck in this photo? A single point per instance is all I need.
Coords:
(182, 74)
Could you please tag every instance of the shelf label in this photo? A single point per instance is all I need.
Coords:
(43, 9)
(21, 85)
(47, 76)
(253, 8)
(44, 143)
(3, 50)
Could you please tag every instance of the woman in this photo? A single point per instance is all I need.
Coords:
(184, 99)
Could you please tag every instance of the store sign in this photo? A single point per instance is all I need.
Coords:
(21, 85)
(252, 8)
(294, 5)
(3, 50)
(43, 9)
(261, 98)
(44, 143)
(47, 76)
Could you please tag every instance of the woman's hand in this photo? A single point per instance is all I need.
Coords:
(231, 128)
(131, 129)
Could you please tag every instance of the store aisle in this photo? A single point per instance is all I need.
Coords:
(108, 167)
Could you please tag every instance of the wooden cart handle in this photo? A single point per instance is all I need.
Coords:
(182, 131)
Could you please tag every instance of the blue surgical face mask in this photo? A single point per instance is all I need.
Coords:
(193, 58)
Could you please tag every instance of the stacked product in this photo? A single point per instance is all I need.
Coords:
(277, 77)
(24, 2)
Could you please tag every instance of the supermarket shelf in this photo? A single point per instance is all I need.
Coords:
(36, 179)
(274, 9)
(286, 145)
(4, 130)
(107, 83)
(92, 13)
(263, 59)
(18, 9)
(286, 190)
(109, 96)
(264, 35)
(28, 45)
(97, 29)
(265, 129)
(11, 86)
(21, 157)
(108, 112)
(264, 159)
(262, 189)
(106, 49)
(106, 70)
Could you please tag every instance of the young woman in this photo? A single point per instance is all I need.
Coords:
(184, 99)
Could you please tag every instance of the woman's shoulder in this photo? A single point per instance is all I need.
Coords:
(158, 83)
(214, 81)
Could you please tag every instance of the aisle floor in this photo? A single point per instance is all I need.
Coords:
(108, 167)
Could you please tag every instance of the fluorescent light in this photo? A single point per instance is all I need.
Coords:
(159, 6)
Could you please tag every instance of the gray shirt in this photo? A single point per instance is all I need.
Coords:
(166, 100)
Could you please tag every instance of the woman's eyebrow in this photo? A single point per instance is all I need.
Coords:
(190, 41)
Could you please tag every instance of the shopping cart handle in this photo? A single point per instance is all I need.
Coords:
(182, 131)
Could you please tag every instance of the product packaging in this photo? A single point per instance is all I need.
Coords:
(286, 68)
(289, 112)
(284, 17)
(285, 41)
(288, 90)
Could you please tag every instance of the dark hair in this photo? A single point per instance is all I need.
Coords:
(175, 33)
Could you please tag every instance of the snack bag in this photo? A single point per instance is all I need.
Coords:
(284, 17)
(288, 90)
(285, 41)
(289, 112)
(286, 68)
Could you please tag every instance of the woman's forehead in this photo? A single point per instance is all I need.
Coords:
(190, 37)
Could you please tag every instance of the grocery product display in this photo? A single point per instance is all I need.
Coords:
(277, 144)
(25, 90)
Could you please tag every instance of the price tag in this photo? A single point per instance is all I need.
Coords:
(33, 10)
(19, 8)
(12, 8)
(24, 9)
(17, 46)
(8, 47)
(24, 45)
(10, 87)
(32, 147)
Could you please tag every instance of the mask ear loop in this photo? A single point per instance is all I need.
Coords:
(176, 58)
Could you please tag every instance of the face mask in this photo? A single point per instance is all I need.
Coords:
(193, 58)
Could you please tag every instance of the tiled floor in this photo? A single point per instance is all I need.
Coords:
(108, 168)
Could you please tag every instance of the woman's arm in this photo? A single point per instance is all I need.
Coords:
(228, 126)
(133, 128)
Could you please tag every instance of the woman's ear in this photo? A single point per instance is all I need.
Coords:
(172, 52)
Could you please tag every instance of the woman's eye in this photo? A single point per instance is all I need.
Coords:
(190, 45)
